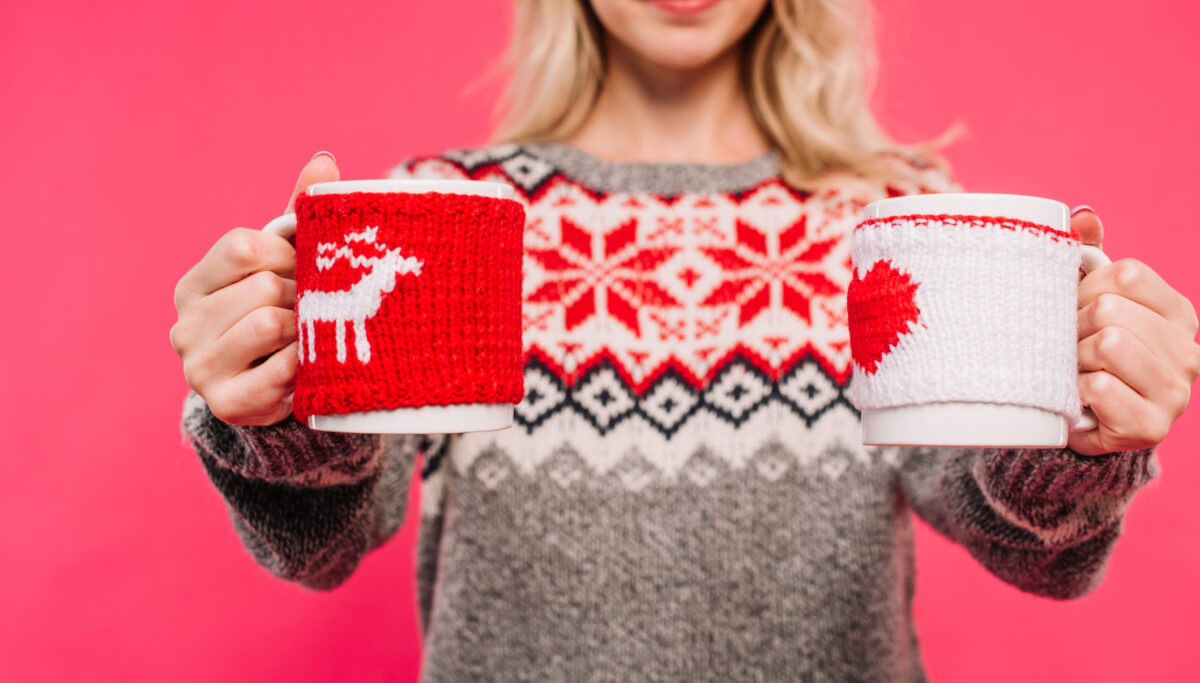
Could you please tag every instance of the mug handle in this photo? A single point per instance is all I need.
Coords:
(284, 226)
(1093, 258)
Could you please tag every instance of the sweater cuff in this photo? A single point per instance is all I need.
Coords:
(283, 450)
(1062, 474)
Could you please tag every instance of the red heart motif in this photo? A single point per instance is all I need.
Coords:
(881, 306)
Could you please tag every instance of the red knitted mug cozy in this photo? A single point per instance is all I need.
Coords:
(407, 300)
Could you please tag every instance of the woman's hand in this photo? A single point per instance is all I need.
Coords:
(236, 331)
(1137, 351)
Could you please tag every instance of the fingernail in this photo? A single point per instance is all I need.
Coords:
(1078, 209)
(328, 154)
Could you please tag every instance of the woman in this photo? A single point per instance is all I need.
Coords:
(685, 495)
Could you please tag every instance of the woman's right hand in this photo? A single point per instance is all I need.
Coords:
(236, 328)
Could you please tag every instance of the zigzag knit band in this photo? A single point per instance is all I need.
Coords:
(407, 300)
(964, 308)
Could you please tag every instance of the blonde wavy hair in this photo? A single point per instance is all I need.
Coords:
(807, 65)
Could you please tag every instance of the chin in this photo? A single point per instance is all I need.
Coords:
(682, 55)
(678, 34)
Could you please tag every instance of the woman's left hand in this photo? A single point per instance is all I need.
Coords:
(1137, 351)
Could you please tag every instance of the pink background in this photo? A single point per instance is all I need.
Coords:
(138, 132)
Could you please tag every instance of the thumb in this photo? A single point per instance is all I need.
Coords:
(321, 168)
(1087, 225)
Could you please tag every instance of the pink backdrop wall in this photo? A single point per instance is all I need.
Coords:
(136, 132)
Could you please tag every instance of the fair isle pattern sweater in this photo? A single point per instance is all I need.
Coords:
(684, 495)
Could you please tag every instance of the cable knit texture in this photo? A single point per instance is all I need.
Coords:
(429, 285)
(684, 495)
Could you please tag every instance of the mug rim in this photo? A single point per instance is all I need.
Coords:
(1040, 210)
(482, 188)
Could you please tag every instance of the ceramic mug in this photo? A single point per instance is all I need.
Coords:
(963, 322)
(408, 305)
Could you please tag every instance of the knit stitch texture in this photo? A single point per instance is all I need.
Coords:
(430, 285)
(684, 495)
(964, 308)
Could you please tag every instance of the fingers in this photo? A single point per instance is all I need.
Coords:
(242, 251)
(1135, 280)
(210, 316)
(236, 330)
(1120, 353)
(255, 395)
(236, 254)
(244, 374)
(260, 333)
(1130, 278)
(321, 168)
(1127, 420)
(1087, 225)
(1165, 339)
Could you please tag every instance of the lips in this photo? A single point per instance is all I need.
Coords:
(881, 306)
(683, 7)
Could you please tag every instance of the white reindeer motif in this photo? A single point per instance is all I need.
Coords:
(356, 304)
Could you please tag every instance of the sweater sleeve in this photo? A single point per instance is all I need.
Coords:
(307, 505)
(1043, 520)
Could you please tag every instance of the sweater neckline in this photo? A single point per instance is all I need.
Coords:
(668, 178)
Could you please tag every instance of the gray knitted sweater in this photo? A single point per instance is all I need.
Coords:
(684, 495)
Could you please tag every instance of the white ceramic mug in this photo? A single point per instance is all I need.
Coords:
(894, 414)
(428, 419)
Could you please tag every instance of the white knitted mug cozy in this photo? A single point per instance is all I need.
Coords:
(965, 298)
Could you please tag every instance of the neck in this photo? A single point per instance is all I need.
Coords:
(646, 112)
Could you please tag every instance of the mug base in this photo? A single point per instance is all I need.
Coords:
(452, 419)
(964, 424)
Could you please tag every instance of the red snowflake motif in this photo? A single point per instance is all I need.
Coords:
(757, 262)
(611, 274)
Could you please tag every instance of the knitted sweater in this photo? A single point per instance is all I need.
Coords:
(684, 495)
